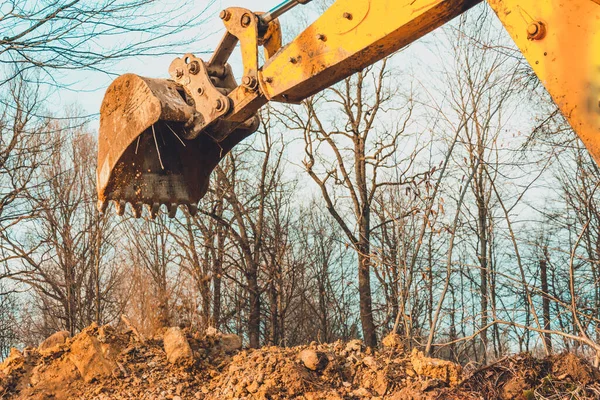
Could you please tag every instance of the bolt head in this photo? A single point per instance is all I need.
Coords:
(536, 30)
(347, 15)
(321, 37)
(250, 82)
(194, 67)
(246, 20)
(532, 29)
(293, 60)
(219, 105)
(225, 15)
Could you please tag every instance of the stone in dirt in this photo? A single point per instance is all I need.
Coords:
(54, 341)
(177, 347)
(392, 341)
(569, 366)
(230, 343)
(354, 346)
(92, 358)
(15, 360)
(313, 360)
(434, 368)
(81, 370)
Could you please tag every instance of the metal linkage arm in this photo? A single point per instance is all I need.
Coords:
(279, 10)
(560, 39)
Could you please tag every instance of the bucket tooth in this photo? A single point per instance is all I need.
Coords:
(154, 210)
(120, 207)
(172, 209)
(137, 209)
(102, 206)
(192, 209)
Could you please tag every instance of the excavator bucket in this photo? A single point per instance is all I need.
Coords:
(144, 157)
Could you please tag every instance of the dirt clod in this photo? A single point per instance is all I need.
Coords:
(54, 341)
(177, 347)
(101, 363)
(444, 371)
(313, 360)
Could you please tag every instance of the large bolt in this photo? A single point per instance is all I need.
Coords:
(246, 20)
(250, 82)
(225, 15)
(219, 105)
(194, 67)
(536, 30)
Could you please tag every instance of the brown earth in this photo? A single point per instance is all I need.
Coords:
(102, 363)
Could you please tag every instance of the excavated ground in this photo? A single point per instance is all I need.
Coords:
(102, 363)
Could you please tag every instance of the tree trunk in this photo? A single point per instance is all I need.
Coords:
(364, 291)
(274, 311)
(483, 259)
(545, 300)
(254, 300)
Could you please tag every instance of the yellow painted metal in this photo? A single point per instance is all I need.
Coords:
(349, 36)
(566, 57)
(272, 39)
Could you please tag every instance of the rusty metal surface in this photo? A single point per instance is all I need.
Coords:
(143, 157)
(202, 93)
(272, 39)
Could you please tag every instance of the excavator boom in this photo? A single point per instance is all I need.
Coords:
(160, 139)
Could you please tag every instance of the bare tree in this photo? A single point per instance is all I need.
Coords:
(63, 246)
(89, 35)
(349, 153)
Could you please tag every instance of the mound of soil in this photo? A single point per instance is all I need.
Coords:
(102, 363)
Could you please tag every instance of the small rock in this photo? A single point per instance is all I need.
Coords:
(177, 347)
(430, 384)
(230, 343)
(211, 331)
(313, 360)
(392, 341)
(53, 341)
(381, 383)
(354, 346)
(92, 358)
(445, 371)
(371, 363)
(253, 387)
(361, 392)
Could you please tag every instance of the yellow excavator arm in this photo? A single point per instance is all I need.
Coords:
(160, 139)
